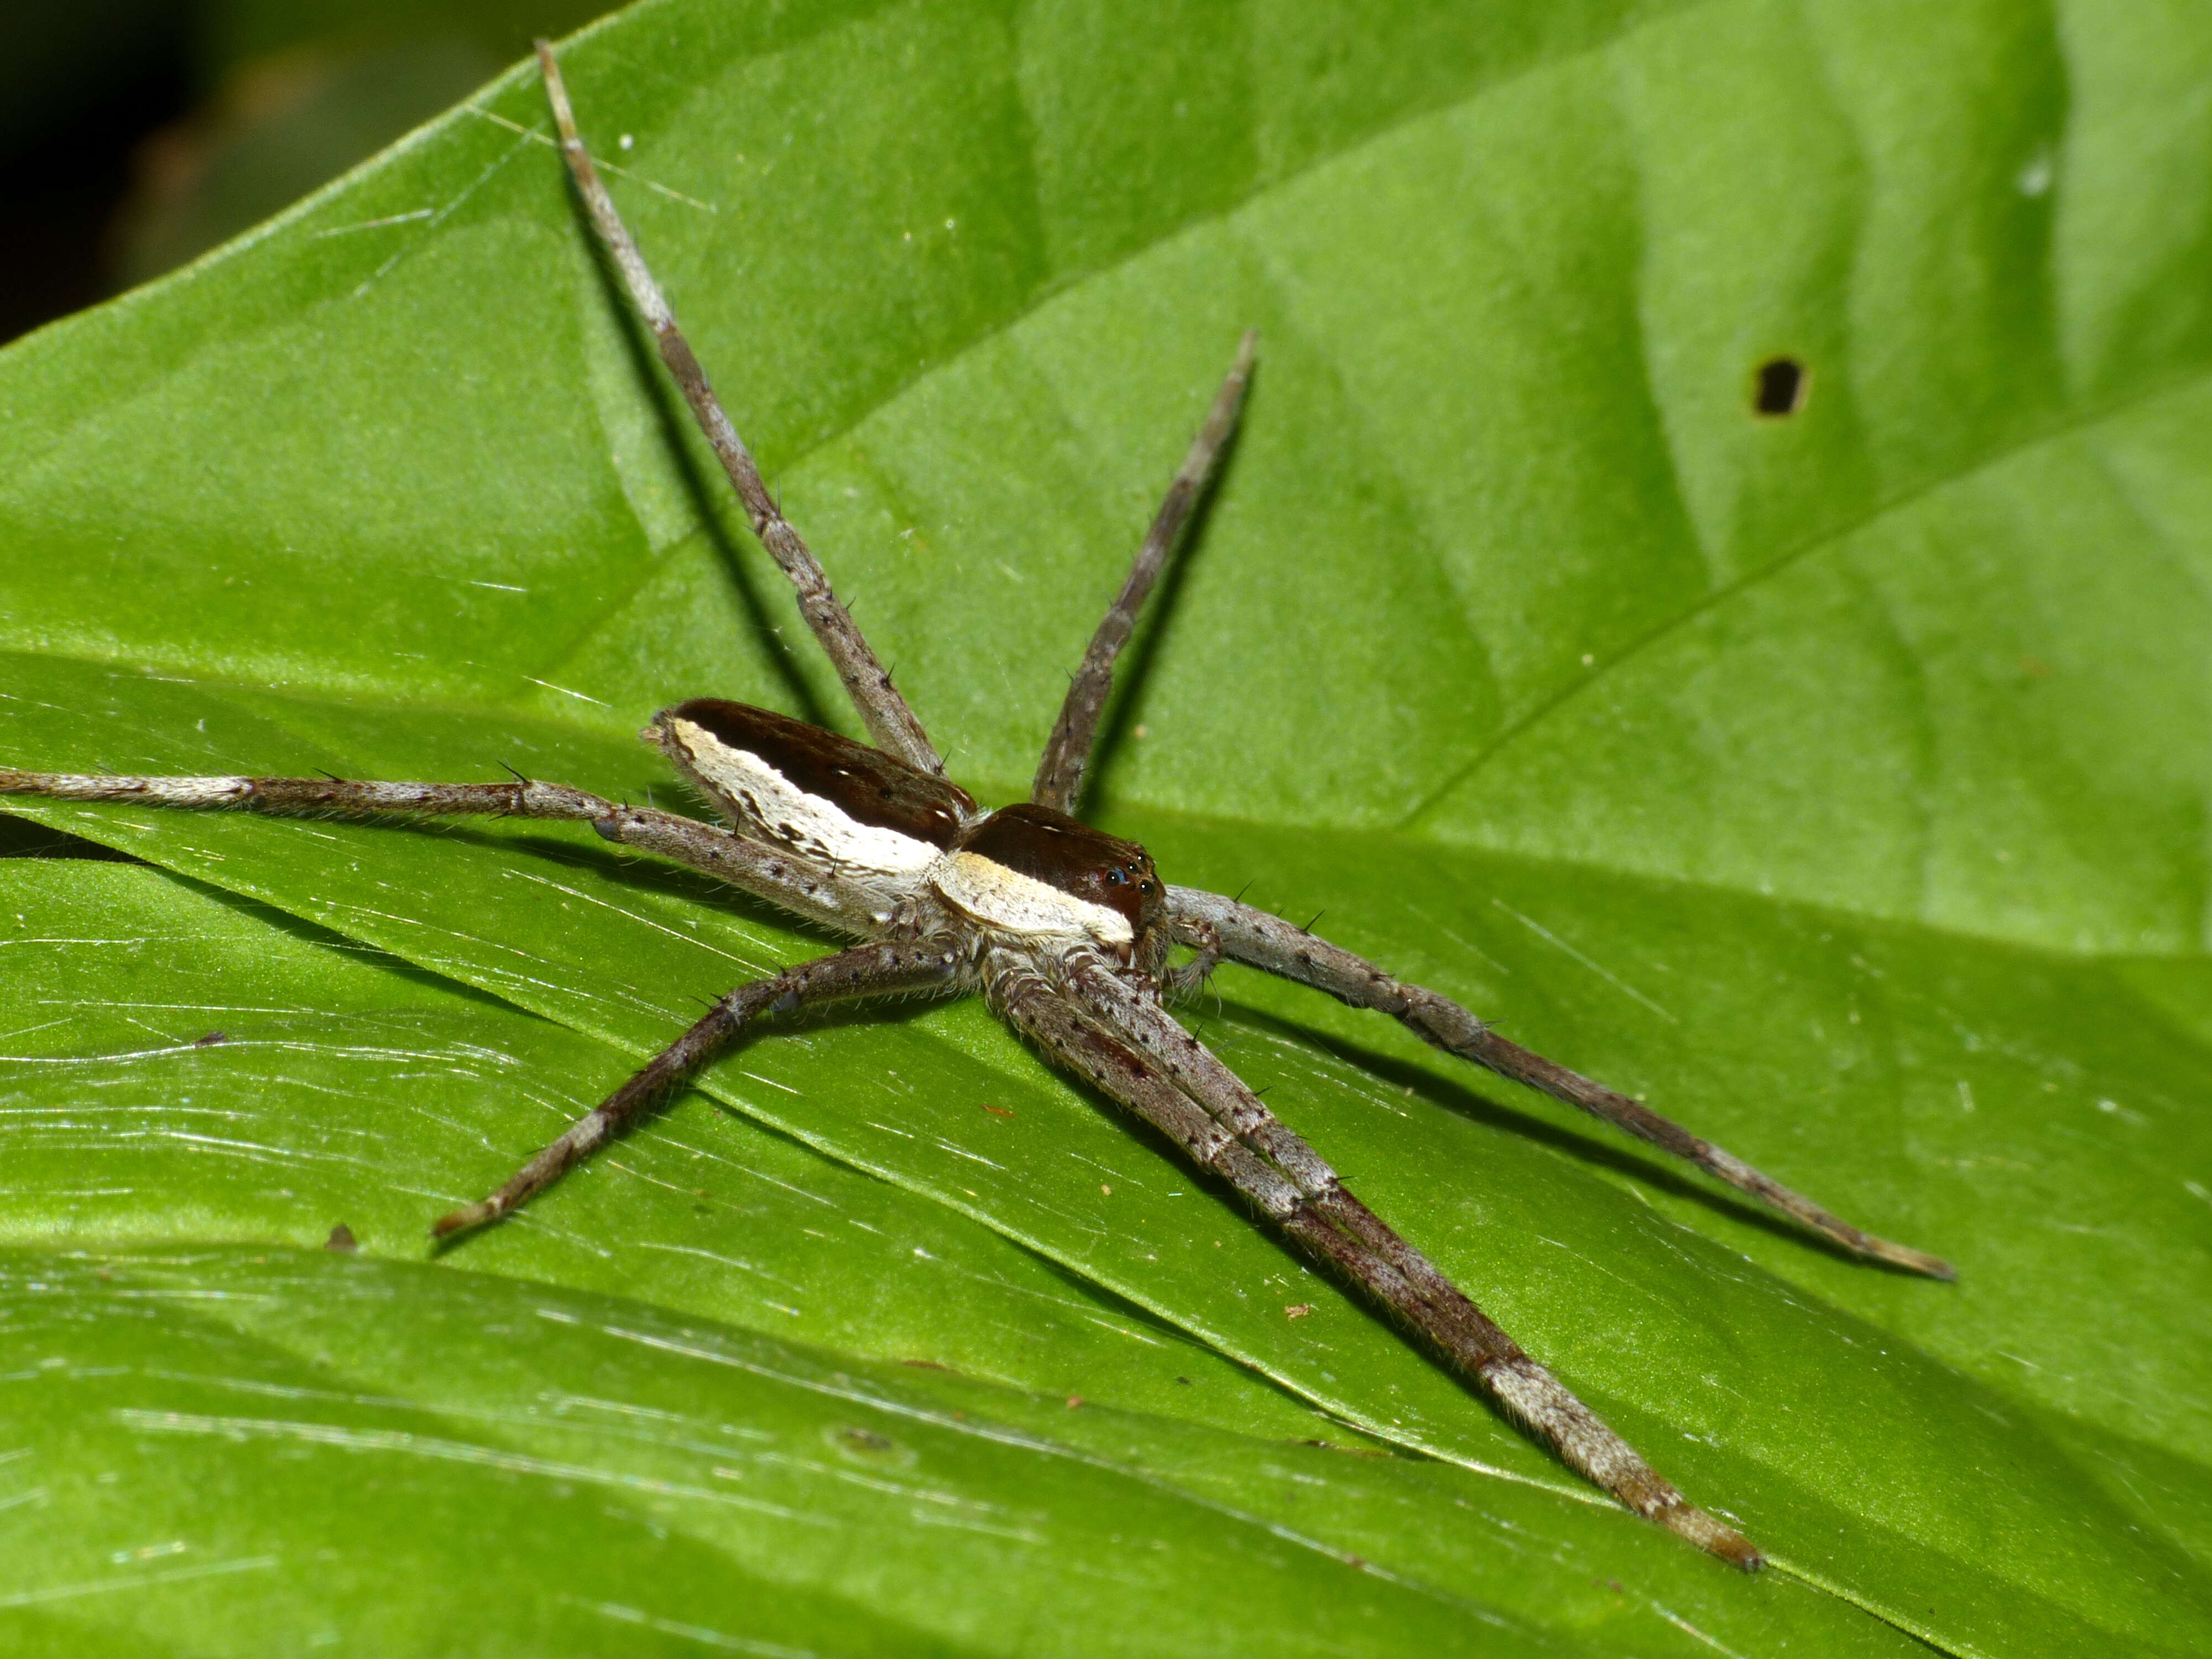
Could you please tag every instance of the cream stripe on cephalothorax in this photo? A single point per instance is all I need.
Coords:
(999, 897)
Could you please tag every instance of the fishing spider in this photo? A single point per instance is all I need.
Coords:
(1066, 930)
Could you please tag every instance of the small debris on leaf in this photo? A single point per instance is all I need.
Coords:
(341, 1239)
(1346, 1451)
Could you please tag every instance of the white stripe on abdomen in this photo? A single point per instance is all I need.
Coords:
(810, 824)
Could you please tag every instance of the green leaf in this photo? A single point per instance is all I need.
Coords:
(1830, 781)
(196, 1424)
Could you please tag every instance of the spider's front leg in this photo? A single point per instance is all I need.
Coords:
(1273, 945)
(1094, 1035)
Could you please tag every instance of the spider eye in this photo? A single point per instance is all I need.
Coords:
(1144, 887)
(1116, 877)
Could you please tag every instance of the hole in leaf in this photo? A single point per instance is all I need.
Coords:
(1782, 385)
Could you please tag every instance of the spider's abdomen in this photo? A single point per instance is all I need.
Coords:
(824, 796)
(1029, 869)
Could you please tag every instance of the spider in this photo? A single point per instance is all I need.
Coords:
(1068, 931)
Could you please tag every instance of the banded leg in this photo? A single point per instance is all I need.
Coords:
(1067, 752)
(1540, 1402)
(1259, 941)
(1368, 1253)
(865, 971)
(890, 723)
(765, 872)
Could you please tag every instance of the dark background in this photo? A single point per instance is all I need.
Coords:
(135, 135)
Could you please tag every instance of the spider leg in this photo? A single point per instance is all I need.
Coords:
(1344, 1234)
(865, 971)
(1067, 752)
(1259, 941)
(890, 723)
(765, 872)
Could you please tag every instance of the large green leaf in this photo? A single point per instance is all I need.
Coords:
(162, 1401)
(1830, 781)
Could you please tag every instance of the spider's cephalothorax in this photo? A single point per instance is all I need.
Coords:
(1066, 929)
(917, 844)
(1030, 871)
(1027, 879)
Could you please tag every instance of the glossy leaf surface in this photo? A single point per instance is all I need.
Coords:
(197, 1427)
(1833, 782)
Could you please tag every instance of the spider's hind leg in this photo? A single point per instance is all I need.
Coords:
(780, 878)
(306, 797)
(890, 722)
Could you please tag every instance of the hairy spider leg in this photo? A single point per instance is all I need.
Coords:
(883, 969)
(1345, 1235)
(1066, 759)
(1410, 1286)
(890, 721)
(1268, 942)
(767, 872)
